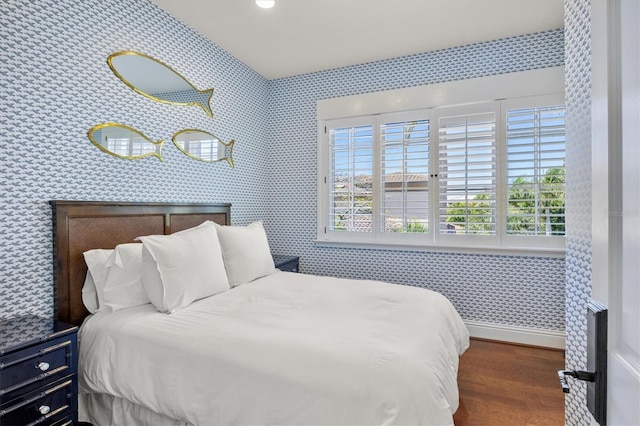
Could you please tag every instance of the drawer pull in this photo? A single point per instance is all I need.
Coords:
(44, 409)
(43, 366)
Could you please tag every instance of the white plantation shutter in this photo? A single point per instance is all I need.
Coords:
(130, 146)
(350, 179)
(487, 175)
(206, 148)
(467, 173)
(119, 146)
(404, 179)
(536, 171)
(141, 146)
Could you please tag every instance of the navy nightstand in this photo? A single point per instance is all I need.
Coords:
(287, 263)
(38, 365)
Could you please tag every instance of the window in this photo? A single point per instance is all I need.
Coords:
(204, 148)
(404, 168)
(535, 171)
(129, 146)
(351, 178)
(467, 173)
(484, 175)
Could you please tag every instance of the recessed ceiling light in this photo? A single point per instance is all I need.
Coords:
(265, 4)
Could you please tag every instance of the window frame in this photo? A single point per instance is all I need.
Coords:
(545, 87)
(338, 235)
(453, 240)
(404, 237)
(541, 101)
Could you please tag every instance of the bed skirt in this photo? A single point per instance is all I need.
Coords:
(102, 409)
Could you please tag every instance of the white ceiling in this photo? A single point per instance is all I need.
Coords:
(302, 36)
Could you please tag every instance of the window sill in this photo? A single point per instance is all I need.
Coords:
(498, 251)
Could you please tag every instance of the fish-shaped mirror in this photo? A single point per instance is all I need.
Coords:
(124, 142)
(203, 146)
(158, 81)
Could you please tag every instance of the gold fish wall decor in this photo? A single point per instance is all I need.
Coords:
(124, 141)
(203, 146)
(158, 81)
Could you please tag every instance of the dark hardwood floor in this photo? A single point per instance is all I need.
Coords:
(503, 384)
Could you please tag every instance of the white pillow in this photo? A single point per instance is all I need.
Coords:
(181, 268)
(96, 261)
(90, 294)
(123, 285)
(246, 252)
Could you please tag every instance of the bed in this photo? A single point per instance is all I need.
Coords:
(286, 348)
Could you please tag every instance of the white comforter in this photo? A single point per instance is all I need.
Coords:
(285, 349)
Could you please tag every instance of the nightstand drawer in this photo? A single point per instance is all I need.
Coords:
(67, 421)
(43, 406)
(44, 361)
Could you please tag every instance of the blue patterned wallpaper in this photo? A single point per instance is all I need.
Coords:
(578, 167)
(56, 85)
(505, 290)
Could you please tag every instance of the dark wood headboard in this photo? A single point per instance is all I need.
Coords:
(79, 226)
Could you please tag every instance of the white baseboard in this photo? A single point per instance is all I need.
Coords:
(521, 335)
